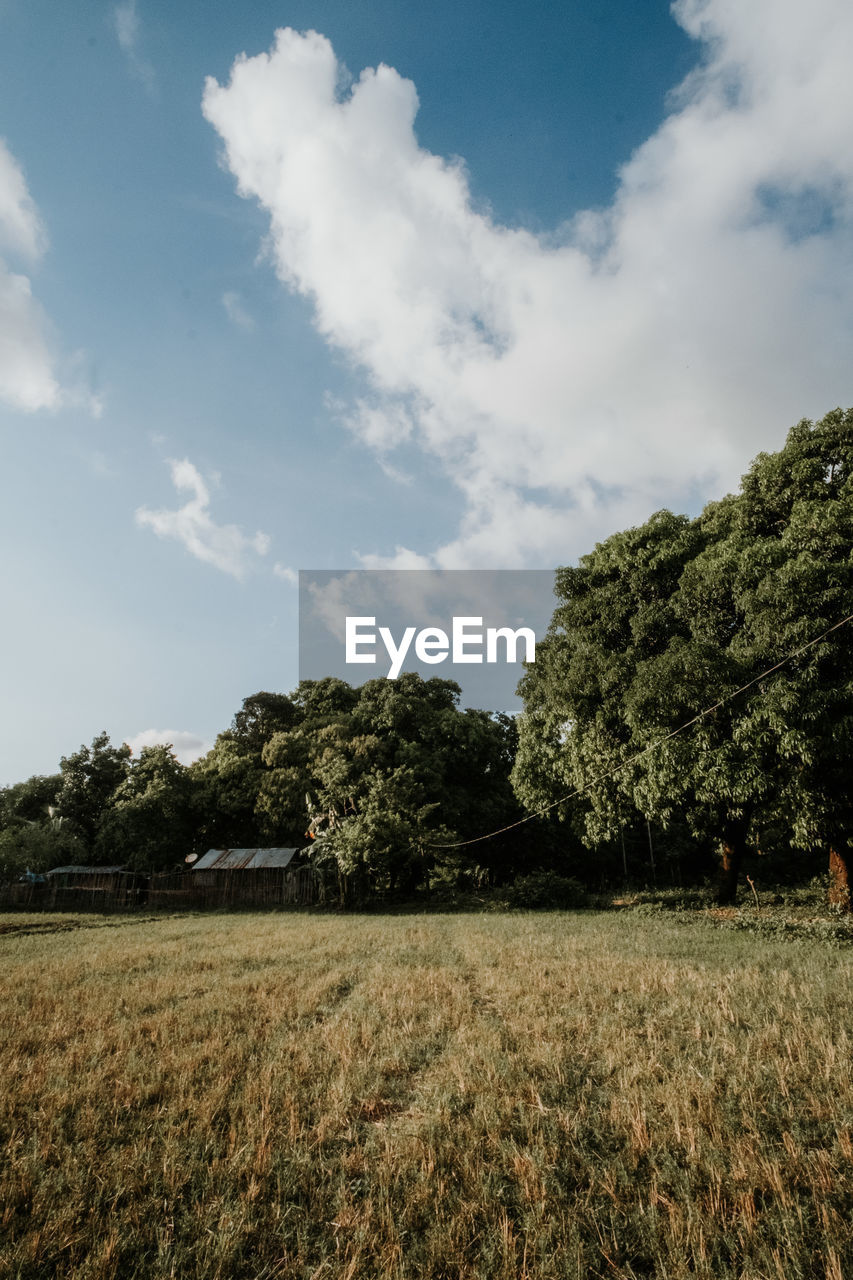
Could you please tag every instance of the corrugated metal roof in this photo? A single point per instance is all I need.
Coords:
(243, 859)
(84, 871)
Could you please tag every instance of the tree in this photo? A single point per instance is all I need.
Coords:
(794, 580)
(33, 846)
(616, 671)
(33, 836)
(664, 621)
(317, 740)
(225, 786)
(388, 773)
(261, 716)
(29, 801)
(227, 782)
(90, 776)
(147, 824)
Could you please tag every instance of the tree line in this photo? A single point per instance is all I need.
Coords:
(368, 780)
(385, 785)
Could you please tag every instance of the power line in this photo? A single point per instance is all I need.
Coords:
(571, 795)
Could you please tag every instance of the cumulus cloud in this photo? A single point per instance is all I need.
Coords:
(639, 356)
(27, 378)
(187, 746)
(225, 546)
(286, 574)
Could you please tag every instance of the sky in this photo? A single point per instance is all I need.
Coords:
(317, 285)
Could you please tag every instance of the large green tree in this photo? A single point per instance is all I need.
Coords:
(793, 580)
(89, 778)
(228, 781)
(661, 622)
(617, 670)
(148, 823)
(387, 774)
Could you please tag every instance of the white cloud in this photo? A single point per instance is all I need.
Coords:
(286, 574)
(128, 34)
(403, 558)
(236, 312)
(127, 25)
(640, 357)
(27, 377)
(225, 546)
(187, 746)
(21, 228)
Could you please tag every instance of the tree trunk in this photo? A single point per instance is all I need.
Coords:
(839, 881)
(732, 849)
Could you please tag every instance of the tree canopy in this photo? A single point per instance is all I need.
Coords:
(661, 622)
(389, 773)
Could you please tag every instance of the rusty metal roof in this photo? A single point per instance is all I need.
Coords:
(243, 859)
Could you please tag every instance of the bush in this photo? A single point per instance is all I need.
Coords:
(35, 847)
(545, 890)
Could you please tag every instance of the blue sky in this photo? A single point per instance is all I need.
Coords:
(548, 269)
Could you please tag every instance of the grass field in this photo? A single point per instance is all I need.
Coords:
(542, 1095)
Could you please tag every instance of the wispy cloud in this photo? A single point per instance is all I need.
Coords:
(286, 574)
(27, 375)
(128, 34)
(639, 357)
(224, 546)
(236, 312)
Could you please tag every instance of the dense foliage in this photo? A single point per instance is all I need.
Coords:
(671, 619)
(378, 783)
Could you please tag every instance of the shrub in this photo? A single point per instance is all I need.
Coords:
(545, 890)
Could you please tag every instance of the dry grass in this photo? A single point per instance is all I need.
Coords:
(560, 1095)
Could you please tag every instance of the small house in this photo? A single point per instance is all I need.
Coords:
(254, 877)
